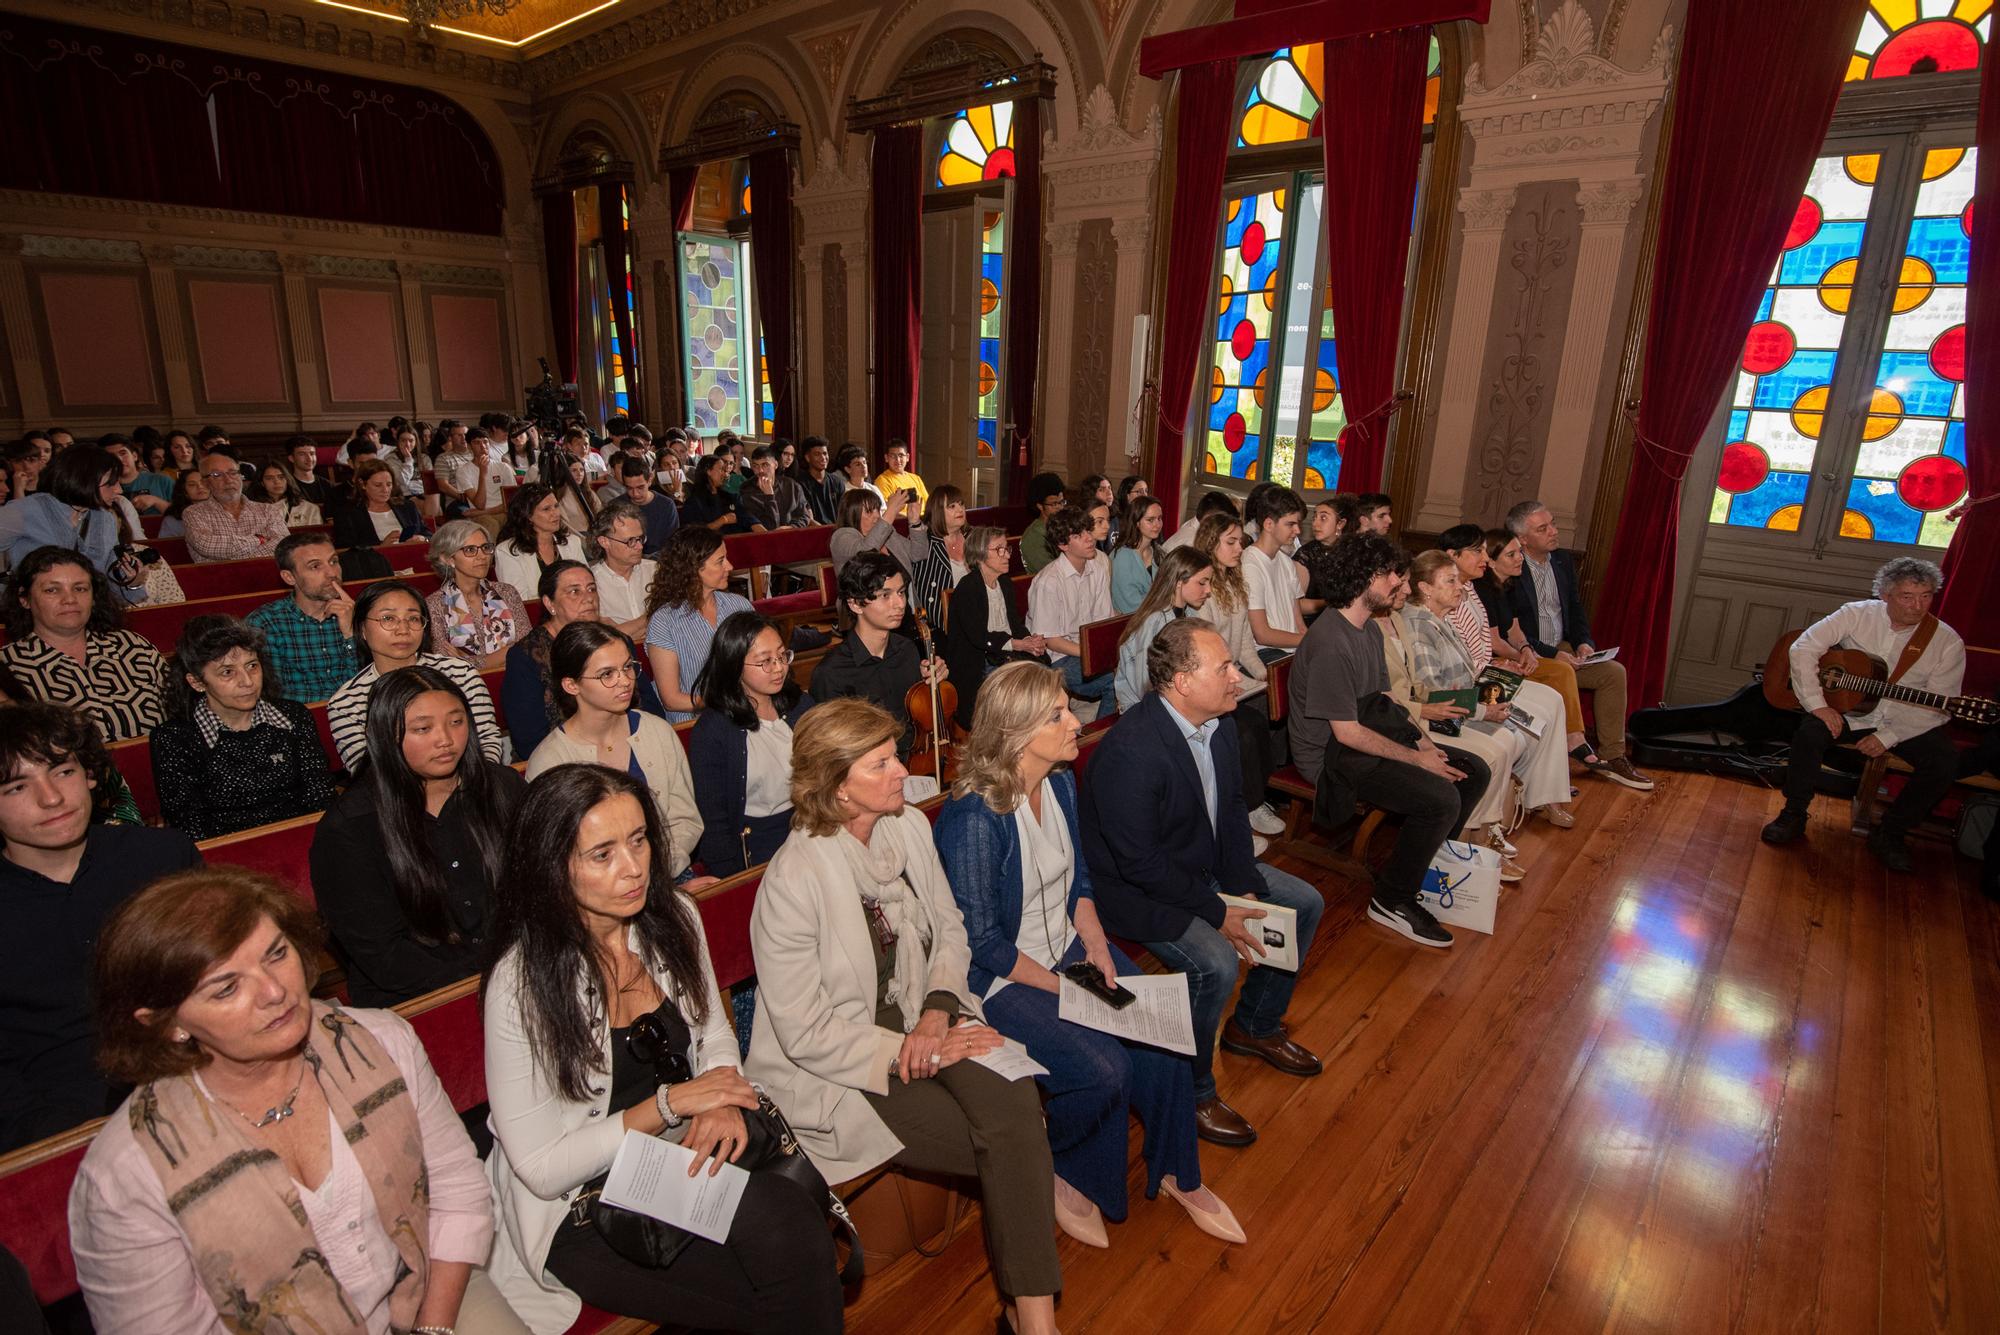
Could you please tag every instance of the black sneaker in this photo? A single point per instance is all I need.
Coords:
(1411, 919)
(1889, 849)
(1788, 826)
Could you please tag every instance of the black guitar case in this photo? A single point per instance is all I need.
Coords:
(1743, 737)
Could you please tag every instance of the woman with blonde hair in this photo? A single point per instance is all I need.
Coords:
(866, 1023)
(1010, 844)
(1182, 586)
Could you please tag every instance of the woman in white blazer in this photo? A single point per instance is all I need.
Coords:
(596, 948)
(867, 1033)
(532, 539)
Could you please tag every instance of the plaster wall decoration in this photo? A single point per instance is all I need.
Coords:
(1101, 168)
(1089, 366)
(88, 248)
(461, 275)
(350, 266)
(232, 257)
(653, 101)
(668, 23)
(833, 340)
(828, 50)
(1028, 28)
(19, 205)
(833, 201)
(1523, 367)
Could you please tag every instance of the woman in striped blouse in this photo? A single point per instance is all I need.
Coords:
(391, 627)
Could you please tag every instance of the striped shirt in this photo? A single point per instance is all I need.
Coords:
(118, 684)
(347, 712)
(688, 633)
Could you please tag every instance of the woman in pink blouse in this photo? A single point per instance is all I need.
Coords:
(283, 1164)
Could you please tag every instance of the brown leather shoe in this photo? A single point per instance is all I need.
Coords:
(1278, 1049)
(1220, 1124)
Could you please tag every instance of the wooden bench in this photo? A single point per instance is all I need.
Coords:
(161, 626)
(218, 579)
(1098, 643)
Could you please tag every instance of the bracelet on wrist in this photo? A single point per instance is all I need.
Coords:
(432, 1330)
(666, 1107)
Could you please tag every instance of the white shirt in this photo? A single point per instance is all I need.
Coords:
(1047, 863)
(387, 523)
(348, 1228)
(767, 775)
(1865, 625)
(997, 621)
(1548, 600)
(1181, 536)
(622, 599)
(1273, 582)
(1062, 599)
(466, 471)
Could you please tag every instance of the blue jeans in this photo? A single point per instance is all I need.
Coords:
(1210, 963)
(1101, 688)
(1094, 1083)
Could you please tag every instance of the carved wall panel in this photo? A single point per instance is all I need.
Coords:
(1089, 368)
(833, 342)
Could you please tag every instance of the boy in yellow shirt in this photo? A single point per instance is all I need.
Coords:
(895, 476)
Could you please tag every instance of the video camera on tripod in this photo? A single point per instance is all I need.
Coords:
(548, 403)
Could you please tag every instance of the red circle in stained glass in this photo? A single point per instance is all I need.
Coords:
(1253, 243)
(999, 163)
(1931, 483)
(1769, 346)
(1243, 339)
(1744, 467)
(1935, 46)
(1965, 218)
(1948, 354)
(1805, 223)
(1232, 432)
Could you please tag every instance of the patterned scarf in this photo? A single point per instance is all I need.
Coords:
(491, 630)
(247, 1231)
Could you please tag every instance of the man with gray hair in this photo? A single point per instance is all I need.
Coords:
(1547, 599)
(1896, 627)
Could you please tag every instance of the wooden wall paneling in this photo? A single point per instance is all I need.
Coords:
(363, 364)
(100, 343)
(238, 343)
(470, 348)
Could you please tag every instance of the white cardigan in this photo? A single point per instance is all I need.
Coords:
(545, 1147)
(524, 572)
(815, 1045)
(665, 761)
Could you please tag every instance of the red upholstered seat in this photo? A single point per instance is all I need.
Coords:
(791, 604)
(134, 760)
(162, 625)
(1019, 584)
(34, 1203)
(453, 1031)
(725, 918)
(219, 579)
(786, 546)
(1278, 677)
(1099, 642)
(282, 849)
(172, 550)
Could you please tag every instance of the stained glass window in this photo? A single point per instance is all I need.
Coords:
(992, 282)
(768, 416)
(1246, 309)
(1911, 467)
(1283, 100)
(1779, 407)
(712, 273)
(1902, 37)
(978, 145)
(617, 388)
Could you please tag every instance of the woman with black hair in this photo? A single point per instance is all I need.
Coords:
(75, 505)
(533, 538)
(708, 504)
(740, 750)
(233, 753)
(690, 597)
(405, 862)
(602, 1017)
(391, 627)
(595, 671)
(190, 488)
(66, 642)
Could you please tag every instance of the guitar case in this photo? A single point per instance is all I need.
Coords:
(1742, 737)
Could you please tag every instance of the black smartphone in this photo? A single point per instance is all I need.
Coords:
(1092, 980)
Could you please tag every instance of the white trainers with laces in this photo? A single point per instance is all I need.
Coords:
(1266, 821)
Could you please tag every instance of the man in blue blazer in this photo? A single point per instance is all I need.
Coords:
(1548, 601)
(1166, 834)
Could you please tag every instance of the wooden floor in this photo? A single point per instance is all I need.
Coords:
(1692, 1084)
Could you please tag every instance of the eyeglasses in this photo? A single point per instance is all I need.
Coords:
(627, 671)
(783, 658)
(411, 621)
(625, 542)
(212, 477)
(477, 549)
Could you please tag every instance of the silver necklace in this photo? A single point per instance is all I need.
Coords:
(271, 1115)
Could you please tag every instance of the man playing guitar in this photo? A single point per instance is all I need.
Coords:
(1896, 627)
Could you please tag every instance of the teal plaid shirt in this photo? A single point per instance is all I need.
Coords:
(313, 658)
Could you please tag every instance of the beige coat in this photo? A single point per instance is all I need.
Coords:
(665, 761)
(815, 1044)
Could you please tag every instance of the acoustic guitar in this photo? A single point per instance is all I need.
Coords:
(1855, 681)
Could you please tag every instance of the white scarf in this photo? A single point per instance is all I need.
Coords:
(878, 868)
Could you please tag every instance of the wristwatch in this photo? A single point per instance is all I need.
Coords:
(667, 1114)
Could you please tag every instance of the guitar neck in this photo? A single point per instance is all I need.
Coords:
(1884, 690)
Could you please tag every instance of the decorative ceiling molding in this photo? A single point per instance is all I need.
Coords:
(1566, 57)
(97, 250)
(672, 22)
(26, 204)
(226, 257)
(827, 51)
(654, 99)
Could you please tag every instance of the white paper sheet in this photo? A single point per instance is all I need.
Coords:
(1521, 720)
(1011, 1060)
(1280, 927)
(1601, 656)
(1160, 1018)
(650, 1176)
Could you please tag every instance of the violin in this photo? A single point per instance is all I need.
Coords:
(933, 708)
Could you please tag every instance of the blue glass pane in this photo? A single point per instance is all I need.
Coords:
(1754, 508)
(1835, 241)
(1942, 244)
(1908, 375)
(1891, 516)
(1807, 369)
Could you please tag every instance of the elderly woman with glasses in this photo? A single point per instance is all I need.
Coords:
(391, 627)
(474, 616)
(740, 749)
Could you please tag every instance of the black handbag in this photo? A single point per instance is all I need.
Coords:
(770, 1146)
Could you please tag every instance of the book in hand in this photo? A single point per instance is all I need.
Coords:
(1496, 685)
(1278, 929)
(1465, 698)
(1601, 656)
(1520, 720)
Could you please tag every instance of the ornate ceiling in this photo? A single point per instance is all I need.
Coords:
(527, 22)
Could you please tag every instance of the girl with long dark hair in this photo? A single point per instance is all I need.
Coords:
(405, 862)
(599, 995)
(392, 624)
(740, 750)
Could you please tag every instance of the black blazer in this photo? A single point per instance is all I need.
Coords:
(967, 642)
(1154, 858)
(1576, 617)
(353, 528)
(719, 761)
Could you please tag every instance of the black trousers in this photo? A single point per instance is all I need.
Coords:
(776, 1276)
(1433, 809)
(1930, 754)
(1259, 746)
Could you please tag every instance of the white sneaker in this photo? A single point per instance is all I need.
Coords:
(1259, 845)
(1266, 821)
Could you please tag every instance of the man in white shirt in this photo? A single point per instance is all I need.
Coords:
(577, 441)
(1071, 592)
(1211, 503)
(1886, 627)
(1274, 580)
(624, 575)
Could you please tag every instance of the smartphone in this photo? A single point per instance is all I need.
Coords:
(1091, 980)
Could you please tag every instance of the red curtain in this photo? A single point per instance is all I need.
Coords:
(680, 195)
(771, 250)
(119, 115)
(1372, 130)
(1746, 131)
(617, 256)
(559, 258)
(1024, 296)
(1972, 582)
(1201, 151)
(897, 257)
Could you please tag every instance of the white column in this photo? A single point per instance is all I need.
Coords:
(1051, 452)
(1135, 249)
(1606, 207)
(172, 330)
(1486, 213)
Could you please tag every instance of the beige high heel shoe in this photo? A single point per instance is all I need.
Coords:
(1217, 1223)
(1087, 1227)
